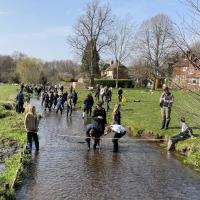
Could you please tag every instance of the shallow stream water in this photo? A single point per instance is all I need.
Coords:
(64, 169)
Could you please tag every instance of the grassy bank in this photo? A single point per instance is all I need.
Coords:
(146, 116)
(13, 139)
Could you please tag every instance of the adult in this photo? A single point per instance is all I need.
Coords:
(120, 92)
(74, 96)
(64, 98)
(46, 101)
(99, 117)
(31, 126)
(117, 114)
(97, 92)
(166, 101)
(88, 103)
(107, 95)
(20, 102)
(119, 131)
(59, 103)
(102, 91)
(186, 132)
(92, 131)
(51, 100)
(69, 106)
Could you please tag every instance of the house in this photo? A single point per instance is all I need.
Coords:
(111, 71)
(185, 73)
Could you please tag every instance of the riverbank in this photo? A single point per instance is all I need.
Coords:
(142, 114)
(13, 141)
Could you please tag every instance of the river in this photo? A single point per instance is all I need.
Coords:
(64, 169)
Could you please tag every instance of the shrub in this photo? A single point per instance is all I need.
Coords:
(124, 83)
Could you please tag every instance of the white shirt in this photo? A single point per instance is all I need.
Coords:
(102, 91)
(118, 128)
(184, 127)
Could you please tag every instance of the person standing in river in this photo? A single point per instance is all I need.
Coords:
(31, 126)
(99, 118)
(166, 101)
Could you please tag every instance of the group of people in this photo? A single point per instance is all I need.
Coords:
(56, 98)
(99, 127)
(166, 102)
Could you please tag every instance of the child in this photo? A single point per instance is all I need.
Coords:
(186, 132)
(117, 114)
(119, 131)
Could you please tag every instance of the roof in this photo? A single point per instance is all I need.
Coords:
(114, 66)
(182, 63)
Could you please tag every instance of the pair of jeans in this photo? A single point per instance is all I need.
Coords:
(166, 113)
(33, 136)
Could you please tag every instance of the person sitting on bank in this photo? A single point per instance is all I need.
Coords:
(166, 101)
(92, 131)
(119, 131)
(186, 132)
(31, 126)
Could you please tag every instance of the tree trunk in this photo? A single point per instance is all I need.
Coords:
(117, 74)
(92, 81)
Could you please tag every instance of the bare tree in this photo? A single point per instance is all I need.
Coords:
(92, 27)
(154, 42)
(188, 33)
(123, 35)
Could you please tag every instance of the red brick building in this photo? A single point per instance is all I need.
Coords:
(186, 73)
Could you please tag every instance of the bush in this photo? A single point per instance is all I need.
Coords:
(69, 79)
(124, 83)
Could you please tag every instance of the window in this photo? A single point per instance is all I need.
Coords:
(185, 68)
(191, 71)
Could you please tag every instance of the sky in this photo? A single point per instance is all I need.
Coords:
(40, 28)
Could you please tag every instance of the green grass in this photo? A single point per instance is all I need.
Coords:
(146, 115)
(11, 129)
(7, 92)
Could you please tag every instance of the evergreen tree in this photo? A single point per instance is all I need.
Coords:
(90, 61)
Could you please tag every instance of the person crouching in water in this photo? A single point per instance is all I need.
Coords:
(92, 131)
(69, 106)
(31, 126)
(186, 132)
(119, 131)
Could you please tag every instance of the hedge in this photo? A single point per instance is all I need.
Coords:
(124, 83)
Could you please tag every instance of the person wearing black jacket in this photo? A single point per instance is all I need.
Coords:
(99, 117)
(120, 92)
(88, 103)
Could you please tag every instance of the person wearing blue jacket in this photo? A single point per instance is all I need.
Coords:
(92, 131)
(59, 104)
